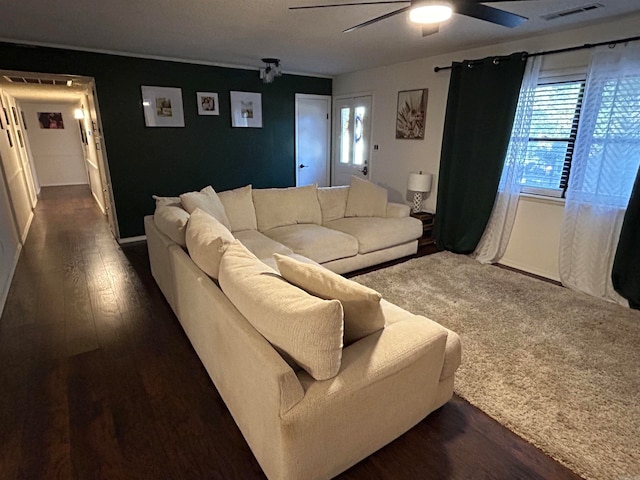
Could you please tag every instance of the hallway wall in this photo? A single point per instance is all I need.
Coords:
(57, 153)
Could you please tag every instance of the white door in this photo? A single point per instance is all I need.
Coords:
(352, 138)
(313, 139)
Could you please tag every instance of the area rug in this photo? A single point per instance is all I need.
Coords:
(559, 368)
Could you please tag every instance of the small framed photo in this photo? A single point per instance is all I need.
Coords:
(246, 109)
(162, 106)
(412, 114)
(51, 120)
(208, 103)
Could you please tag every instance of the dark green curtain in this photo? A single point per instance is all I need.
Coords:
(481, 106)
(626, 264)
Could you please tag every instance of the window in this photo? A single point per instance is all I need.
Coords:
(351, 135)
(554, 125)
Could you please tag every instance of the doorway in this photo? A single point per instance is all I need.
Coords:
(68, 151)
(313, 139)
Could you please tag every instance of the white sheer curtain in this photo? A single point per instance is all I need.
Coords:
(603, 170)
(495, 238)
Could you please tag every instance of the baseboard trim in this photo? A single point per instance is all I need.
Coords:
(141, 238)
(5, 291)
(23, 237)
(529, 269)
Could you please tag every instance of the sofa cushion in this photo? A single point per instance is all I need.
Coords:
(365, 199)
(206, 240)
(333, 202)
(238, 205)
(276, 207)
(362, 311)
(303, 327)
(172, 220)
(319, 243)
(206, 200)
(261, 245)
(375, 233)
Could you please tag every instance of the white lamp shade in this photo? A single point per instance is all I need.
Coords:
(419, 182)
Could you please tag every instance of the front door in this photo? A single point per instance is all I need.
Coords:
(313, 139)
(352, 138)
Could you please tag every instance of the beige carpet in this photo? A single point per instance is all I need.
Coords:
(560, 369)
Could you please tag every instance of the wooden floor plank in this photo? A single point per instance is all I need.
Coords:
(98, 379)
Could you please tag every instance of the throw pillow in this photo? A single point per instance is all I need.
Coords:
(208, 201)
(172, 220)
(238, 204)
(362, 311)
(161, 201)
(365, 199)
(300, 326)
(206, 240)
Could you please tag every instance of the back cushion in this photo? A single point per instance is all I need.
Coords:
(172, 220)
(238, 204)
(277, 207)
(333, 202)
(206, 200)
(300, 326)
(365, 199)
(206, 240)
(362, 311)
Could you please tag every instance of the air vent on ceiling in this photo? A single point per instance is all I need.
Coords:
(572, 11)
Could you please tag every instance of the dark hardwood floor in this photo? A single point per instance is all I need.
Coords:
(98, 380)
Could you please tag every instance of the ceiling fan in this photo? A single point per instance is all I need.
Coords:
(430, 13)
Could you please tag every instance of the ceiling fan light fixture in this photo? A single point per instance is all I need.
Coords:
(430, 12)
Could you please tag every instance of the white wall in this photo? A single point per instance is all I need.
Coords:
(395, 159)
(57, 153)
(15, 204)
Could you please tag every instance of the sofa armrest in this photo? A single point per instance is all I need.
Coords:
(397, 210)
(388, 382)
(381, 355)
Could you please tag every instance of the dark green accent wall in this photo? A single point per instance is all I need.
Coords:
(168, 161)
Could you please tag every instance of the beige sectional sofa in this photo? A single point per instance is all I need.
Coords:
(318, 371)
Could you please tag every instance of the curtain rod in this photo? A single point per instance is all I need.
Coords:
(563, 50)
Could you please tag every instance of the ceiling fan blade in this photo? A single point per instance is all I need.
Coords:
(382, 2)
(489, 14)
(429, 29)
(377, 19)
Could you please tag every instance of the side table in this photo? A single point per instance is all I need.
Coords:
(426, 243)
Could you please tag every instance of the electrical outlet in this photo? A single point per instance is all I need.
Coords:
(376, 147)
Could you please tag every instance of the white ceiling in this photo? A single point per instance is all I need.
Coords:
(241, 32)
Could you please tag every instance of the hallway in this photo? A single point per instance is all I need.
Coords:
(98, 380)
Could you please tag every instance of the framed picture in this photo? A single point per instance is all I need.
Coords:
(51, 120)
(162, 106)
(412, 113)
(208, 103)
(246, 109)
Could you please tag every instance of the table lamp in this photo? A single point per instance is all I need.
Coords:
(419, 183)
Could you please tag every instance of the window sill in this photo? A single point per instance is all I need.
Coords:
(543, 199)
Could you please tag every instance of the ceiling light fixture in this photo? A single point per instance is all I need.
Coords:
(429, 12)
(271, 70)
